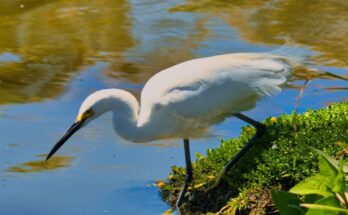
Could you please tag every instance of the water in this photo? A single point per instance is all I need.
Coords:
(54, 53)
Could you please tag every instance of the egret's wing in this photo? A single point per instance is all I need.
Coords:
(214, 86)
(269, 79)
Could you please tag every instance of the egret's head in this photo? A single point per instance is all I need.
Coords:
(92, 107)
(98, 103)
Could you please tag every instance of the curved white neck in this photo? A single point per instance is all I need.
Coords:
(125, 108)
(125, 123)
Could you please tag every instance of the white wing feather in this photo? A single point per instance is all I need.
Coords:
(209, 87)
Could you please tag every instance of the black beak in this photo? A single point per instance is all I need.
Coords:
(76, 126)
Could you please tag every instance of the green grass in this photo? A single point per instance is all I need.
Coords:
(279, 160)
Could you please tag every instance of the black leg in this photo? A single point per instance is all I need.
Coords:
(260, 130)
(188, 178)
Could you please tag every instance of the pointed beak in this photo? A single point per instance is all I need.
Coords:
(76, 126)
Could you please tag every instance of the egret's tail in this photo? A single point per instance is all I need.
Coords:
(290, 56)
(293, 53)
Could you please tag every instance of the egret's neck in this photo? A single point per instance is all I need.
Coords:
(125, 108)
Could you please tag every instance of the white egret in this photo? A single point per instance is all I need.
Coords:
(184, 100)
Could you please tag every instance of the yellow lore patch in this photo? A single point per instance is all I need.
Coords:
(88, 114)
(79, 117)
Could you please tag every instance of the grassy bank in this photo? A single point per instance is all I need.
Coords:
(279, 160)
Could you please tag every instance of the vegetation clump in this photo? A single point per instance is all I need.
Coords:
(280, 159)
(321, 194)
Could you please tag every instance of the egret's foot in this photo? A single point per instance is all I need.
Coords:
(182, 195)
(184, 189)
(215, 182)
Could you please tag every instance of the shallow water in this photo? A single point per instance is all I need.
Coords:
(54, 53)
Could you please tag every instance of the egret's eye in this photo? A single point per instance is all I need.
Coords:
(87, 114)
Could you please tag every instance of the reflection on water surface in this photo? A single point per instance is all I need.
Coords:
(322, 25)
(54, 39)
(41, 165)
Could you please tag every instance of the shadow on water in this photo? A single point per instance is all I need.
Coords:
(41, 165)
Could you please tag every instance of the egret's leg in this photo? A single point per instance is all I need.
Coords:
(260, 130)
(188, 177)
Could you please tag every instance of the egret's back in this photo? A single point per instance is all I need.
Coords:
(206, 90)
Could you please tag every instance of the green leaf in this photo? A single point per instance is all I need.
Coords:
(311, 198)
(327, 168)
(314, 185)
(323, 182)
(286, 202)
(328, 202)
(333, 163)
(340, 183)
(327, 210)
